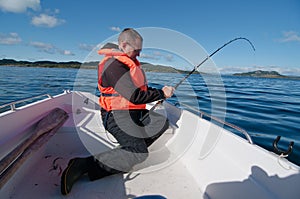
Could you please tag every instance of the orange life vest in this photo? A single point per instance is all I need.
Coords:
(109, 98)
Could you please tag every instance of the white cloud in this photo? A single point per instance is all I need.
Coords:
(157, 55)
(18, 6)
(290, 36)
(43, 47)
(169, 58)
(114, 28)
(65, 52)
(10, 39)
(149, 56)
(49, 48)
(44, 20)
(86, 47)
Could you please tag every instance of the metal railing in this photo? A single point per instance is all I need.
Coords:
(202, 113)
(13, 104)
(244, 132)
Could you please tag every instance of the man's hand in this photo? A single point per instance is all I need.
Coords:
(168, 91)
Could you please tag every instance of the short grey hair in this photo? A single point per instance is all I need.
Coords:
(129, 35)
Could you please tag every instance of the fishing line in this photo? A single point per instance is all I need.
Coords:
(196, 67)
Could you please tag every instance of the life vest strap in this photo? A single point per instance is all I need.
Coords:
(109, 94)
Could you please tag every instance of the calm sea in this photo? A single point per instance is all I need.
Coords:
(264, 107)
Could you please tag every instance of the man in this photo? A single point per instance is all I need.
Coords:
(124, 94)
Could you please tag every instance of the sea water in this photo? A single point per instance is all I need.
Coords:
(264, 107)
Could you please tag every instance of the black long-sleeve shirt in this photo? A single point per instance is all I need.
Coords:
(117, 75)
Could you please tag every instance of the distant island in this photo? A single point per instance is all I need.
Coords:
(264, 74)
(146, 66)
(47, 64)
(86, 65)
(261, 73)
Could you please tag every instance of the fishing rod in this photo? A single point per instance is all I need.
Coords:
(196, 67)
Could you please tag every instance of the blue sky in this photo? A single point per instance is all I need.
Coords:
(65, 30)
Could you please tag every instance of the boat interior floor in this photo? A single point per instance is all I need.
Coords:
(39, 177)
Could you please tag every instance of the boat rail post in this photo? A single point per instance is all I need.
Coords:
(12, 105)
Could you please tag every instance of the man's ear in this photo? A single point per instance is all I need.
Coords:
(122, 45)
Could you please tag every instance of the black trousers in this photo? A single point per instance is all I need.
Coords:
(135, 131)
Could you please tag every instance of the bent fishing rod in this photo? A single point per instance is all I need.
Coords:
(196, 67)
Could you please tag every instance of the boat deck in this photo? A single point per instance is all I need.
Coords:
(193, 159)
(40, 175)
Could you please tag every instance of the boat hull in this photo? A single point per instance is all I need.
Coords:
(195, 158)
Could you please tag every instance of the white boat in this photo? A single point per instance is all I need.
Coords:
(195, 158)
